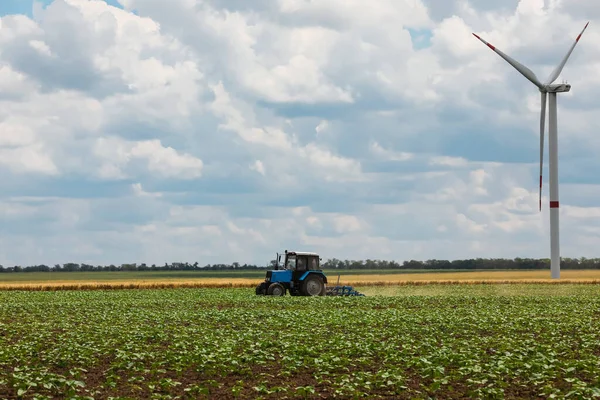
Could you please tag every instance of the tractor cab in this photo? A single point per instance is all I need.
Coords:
(300, 274)
(301, 261)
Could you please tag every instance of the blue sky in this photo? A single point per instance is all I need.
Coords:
(225, 130)
(25, 7)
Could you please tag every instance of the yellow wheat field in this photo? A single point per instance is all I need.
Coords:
(451, 278)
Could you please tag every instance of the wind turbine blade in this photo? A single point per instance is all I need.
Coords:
(560, 66)
(526, 72)
(542, 131)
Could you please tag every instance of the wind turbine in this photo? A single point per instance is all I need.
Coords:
(552, 89)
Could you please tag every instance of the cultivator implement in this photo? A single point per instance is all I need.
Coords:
(342, 291)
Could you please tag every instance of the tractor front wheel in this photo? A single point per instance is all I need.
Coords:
(276, 289)
(313, 286)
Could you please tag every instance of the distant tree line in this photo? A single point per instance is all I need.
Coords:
(176, 266)
(466, 264)
(331, 264)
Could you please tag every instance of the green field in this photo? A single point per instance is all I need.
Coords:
(491, 341)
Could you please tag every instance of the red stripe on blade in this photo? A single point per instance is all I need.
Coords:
(554, 204)
(579, 36)
(490, 46)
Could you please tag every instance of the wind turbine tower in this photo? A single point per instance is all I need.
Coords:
(547, 88)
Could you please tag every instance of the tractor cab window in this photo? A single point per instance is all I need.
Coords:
(301, 264)
(314, 265)
(291, 263)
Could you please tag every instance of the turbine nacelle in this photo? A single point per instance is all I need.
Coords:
(556, 88)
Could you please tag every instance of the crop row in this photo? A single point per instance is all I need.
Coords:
(228, 343)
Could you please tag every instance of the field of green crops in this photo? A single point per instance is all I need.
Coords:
(417, 342)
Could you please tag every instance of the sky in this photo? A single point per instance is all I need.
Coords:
(219, 131)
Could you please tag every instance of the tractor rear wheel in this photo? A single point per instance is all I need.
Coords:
(260, 289)
(313, 286)
(276, 289)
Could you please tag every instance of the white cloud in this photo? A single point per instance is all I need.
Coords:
(582, 212)
(258, 166)
(449, 161)
(138, 190)
(41, 47)
(348, 13)
(378, 150)
(309, 157)
(194, 131)
(467, 224)
(323, 125)
(224, 108)
(166, 162)
(346, 223)
(14, 83)
(29, 158)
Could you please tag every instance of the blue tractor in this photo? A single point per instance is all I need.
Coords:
(300, 275)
